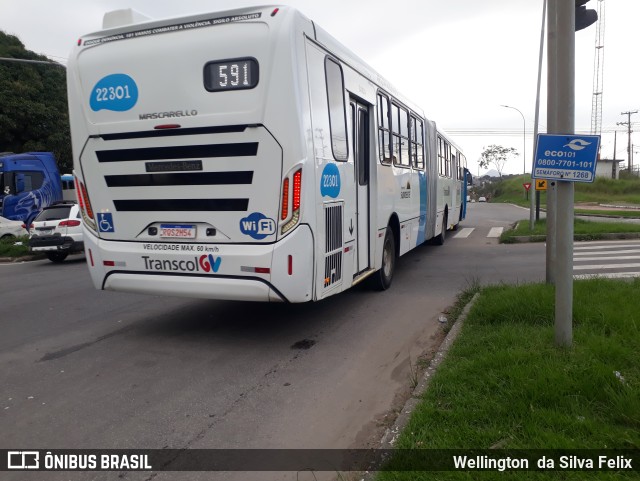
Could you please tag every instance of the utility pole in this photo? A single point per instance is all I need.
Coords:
(565, 119)
(629, 131)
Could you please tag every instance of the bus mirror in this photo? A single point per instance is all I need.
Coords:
(469, 178)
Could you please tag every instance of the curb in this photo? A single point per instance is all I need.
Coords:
(576, 237)
(27, 258)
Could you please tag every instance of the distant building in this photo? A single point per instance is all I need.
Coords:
(609, 168)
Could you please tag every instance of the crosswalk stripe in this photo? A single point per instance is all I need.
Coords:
(495, 232)
(464, 233)
(624, 251)
(575, 248)
(609, 242)
(607, 258)
(604, 266)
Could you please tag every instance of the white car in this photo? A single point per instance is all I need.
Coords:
(11, 228)
(482, 199)
(57, 231)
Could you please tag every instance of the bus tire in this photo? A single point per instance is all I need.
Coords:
(382, 279)
(439, 239)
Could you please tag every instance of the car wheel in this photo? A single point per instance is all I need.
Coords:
(382, 279)
(57, 256)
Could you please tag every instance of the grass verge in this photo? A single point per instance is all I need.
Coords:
(8, 247)
(629, 214)
(583, 229)
(504, 384)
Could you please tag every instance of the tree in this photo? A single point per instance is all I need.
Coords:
(33, 104)
(496, 155)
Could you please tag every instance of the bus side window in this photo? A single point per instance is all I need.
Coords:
(384, 137)
(337, 114)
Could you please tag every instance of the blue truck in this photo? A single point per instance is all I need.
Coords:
(28, 183)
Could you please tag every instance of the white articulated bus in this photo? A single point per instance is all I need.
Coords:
(247, 155)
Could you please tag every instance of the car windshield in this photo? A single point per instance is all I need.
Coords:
(54, 213)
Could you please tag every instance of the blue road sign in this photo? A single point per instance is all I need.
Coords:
(571, 158)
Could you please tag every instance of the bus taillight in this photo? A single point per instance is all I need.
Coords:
(295, 205)
(79, 194)
(297, 188)
(285, 199)
(85, 205)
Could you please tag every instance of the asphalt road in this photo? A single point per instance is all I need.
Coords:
(90, 369)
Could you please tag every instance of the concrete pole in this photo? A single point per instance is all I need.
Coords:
(552, 102)
(565, 110)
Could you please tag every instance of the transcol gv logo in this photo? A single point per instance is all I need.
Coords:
(210, 263)
(207, 263)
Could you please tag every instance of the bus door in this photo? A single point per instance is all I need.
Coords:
(361, 155)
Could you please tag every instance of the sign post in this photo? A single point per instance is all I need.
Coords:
(527, 186)
(565, 159)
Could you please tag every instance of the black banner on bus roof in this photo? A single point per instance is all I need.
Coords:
(210, 22)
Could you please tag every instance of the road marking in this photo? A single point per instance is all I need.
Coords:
(604, 266)
(603, 247)
(625, 241)
(606, 258)
(611, 275)
(464, 233)
(495, 232)
(624, 251)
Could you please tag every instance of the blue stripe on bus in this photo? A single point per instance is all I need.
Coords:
(422, 181)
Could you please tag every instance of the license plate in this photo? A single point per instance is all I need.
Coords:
(177, 231)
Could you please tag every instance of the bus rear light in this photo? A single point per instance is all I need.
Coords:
(79, 194)
(297, 196)
(256, 270)
(114, 263)
(275, 11)
(297, 189)
(290, 266)
(91, 258)
(167, 126)
(285, 199)
(85, 204)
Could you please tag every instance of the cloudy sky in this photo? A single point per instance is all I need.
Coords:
(458, 59)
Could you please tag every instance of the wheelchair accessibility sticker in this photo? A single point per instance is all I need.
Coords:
(105, 222)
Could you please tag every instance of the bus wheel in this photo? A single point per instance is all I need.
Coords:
(382, 278)
(439, 240)
(57, 256)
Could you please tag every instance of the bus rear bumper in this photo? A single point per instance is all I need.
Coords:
(278, 272)
(195, 287)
